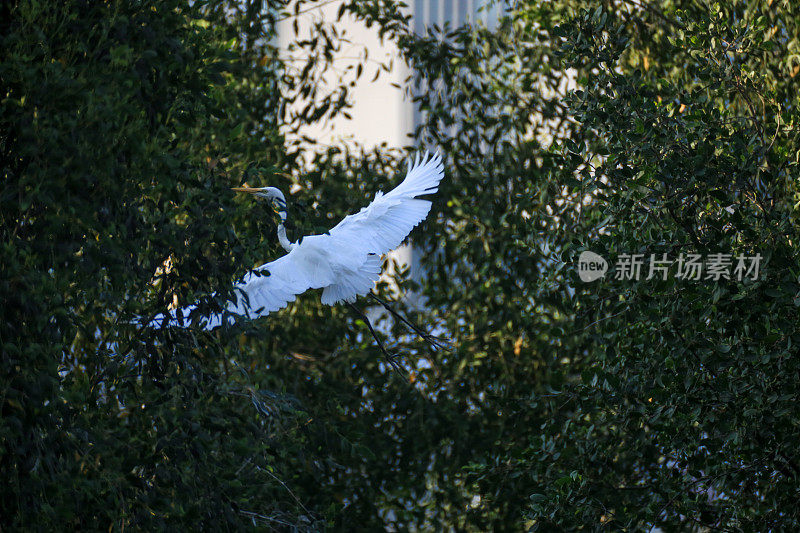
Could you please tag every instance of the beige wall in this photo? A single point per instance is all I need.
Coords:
(379, 114)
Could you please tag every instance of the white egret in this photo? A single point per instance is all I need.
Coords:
(345, 262)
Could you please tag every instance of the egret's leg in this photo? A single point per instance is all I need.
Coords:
(392, 359)
(435, 342)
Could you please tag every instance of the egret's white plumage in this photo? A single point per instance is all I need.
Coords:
(345, 263)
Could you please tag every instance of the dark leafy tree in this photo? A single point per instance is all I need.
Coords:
(628, 127)
(620, 404)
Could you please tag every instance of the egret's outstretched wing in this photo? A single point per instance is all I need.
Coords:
(379, 228)
(389, 218)
(266, 289)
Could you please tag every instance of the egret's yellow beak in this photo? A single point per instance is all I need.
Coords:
(251, 190)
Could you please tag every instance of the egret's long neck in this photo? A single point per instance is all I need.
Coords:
(282, 238)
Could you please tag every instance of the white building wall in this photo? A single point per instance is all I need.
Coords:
(379, 113)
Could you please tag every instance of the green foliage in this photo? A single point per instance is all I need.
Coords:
(687, 391)
(123, 127)
(620, 404)
(629, 127)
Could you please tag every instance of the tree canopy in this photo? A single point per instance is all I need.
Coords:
(659, 130)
